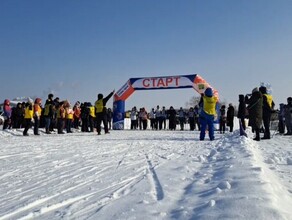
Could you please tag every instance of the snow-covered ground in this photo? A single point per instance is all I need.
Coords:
(144, 175)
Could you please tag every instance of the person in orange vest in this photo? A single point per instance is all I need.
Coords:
(28, 115)
(37, 111)
(77, 113)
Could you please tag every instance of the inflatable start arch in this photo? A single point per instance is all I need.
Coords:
(149, 83)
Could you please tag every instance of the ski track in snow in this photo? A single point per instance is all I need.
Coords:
(157, 190)
(171, 175)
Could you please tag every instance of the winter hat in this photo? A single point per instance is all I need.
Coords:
(37, 101)
(241, 98)
(209, 92)
(256, 89)
(100, 96)
(263, 90)
(50, 96)
(6, 102)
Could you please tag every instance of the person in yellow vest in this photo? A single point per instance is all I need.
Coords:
(60, 117)
(91, 117)
(28, 115)
(37, 111)
(48, 112)
(101, 112)
(208, 111)
(268, 106)
(69, 117)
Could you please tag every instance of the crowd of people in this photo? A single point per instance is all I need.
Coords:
(62, 116)
(159, 116)
(58, 115)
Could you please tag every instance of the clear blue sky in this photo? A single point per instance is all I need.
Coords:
(78, 48)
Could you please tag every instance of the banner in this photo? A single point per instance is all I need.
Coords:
(151, 83)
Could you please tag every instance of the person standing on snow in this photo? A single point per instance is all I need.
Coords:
(7, 114)
(181, 118)
(28, 115)
(197, 116)
(222, 119)
(288, 116)
(109, 118)
(171, 115)
(268, 106)
(241, 114)
(208, 104)
(76, 116)
(163, 118)
(152, 119)
(281, 118)
(61, 116)
(133, 116)
(191, 117)
(101, 112)
(230, 117)
(255, 111)
(48, 112)
(37, 111)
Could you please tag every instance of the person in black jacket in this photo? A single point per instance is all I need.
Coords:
(171, 114)
(255, 111)
(84, 117)
(230, 117)
(109, 118)
(101, 112)
(49, 112)
(222, 119)
(18, 116)
(241, 114)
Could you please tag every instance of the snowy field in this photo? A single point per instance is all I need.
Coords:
(144, 175)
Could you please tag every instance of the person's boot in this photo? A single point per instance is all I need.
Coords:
(267, 135)
(257, 138)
